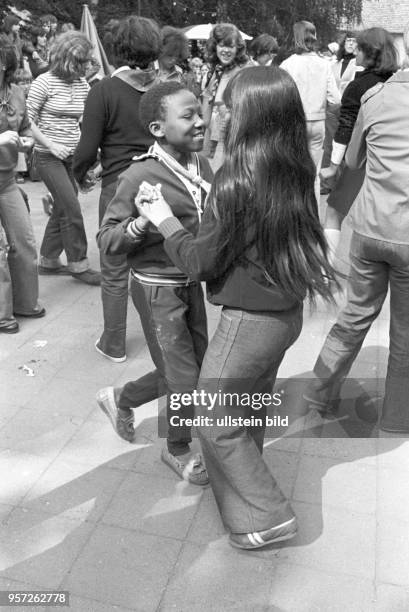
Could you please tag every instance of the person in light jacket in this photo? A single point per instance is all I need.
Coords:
(379, 252)
(316, 84)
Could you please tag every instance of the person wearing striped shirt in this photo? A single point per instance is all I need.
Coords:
(55, 106)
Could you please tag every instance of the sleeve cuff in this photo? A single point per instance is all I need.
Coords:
(170, 226)
(338, 152)
(134, 239)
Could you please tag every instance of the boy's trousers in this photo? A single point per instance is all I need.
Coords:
(174, 323)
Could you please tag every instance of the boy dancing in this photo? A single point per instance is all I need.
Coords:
(171, 307)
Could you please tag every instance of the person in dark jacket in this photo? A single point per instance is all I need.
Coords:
(111, 124)
(170, 305)
(378, 55)
(261, 249)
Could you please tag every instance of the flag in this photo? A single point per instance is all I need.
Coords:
(88, 28)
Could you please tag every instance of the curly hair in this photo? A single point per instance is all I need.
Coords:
(153, 105)
(341, 49)
(8, 58)
(174, 43)
(379, 49)
(135, 42)
(67, 54)
(226, 34)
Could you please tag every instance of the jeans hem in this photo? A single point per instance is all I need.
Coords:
(78, 266)
(50, 262)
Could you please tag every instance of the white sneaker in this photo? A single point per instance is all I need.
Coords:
(110, 357)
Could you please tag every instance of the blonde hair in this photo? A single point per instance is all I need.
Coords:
(68, 52)
(305, 36)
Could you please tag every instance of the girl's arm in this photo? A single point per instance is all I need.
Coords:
(196, 256)
(55, 148)
(37, 97)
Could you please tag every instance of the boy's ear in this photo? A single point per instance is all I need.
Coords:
(155, 128)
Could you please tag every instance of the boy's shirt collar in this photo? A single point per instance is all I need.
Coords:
(188, 175)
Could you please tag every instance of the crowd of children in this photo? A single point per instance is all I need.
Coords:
(212, 177)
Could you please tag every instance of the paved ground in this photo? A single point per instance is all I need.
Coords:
(84, 511)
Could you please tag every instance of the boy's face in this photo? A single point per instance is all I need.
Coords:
(183, 126)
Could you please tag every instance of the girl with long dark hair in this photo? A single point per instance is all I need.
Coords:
(261, 250)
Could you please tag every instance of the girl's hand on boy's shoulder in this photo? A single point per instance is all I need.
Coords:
(151, 204)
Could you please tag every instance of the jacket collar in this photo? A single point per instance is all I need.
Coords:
(402, 76)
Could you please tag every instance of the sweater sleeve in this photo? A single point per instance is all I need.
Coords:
(356, 154)
(113, 238)
(196, 256)
(350, 105)
(93, 126)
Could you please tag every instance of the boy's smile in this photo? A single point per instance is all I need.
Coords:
(182, 129)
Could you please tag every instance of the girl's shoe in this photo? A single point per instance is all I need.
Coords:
(258, 539)
(11, 328)
(116, 359)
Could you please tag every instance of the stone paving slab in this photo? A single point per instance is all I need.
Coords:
(83, 510)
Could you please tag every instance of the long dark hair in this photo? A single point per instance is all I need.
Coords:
(264, 192)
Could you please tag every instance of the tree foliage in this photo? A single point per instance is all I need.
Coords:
(252, 16)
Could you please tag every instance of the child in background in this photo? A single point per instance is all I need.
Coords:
(170, 305)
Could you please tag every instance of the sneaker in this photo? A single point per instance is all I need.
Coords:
(189, 467)
(123, 425)
(36, 314)
(90, 277)
(110, 357)
(11, 328)
(258, 539)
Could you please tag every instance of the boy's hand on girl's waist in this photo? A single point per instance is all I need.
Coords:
(151, 204)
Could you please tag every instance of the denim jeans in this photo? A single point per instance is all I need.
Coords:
(114, 289)
(175, 327)
(244, 354)
(65, 229)
(375, 266)
(18, 255)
